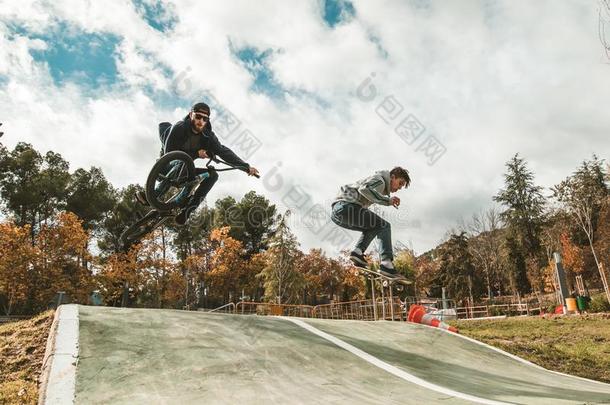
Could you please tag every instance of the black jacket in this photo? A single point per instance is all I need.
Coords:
(181, 137)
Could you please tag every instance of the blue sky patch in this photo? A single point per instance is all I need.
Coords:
(256, 62)
(179, 93)
(168, 100)
(337, 11)
(86, 59)
(156, 14)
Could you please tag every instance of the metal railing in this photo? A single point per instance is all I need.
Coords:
(385, 308)
(364, 310)
(267, 308)
(483, 311)
(227, 308)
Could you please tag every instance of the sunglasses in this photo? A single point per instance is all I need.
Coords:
(205, 118)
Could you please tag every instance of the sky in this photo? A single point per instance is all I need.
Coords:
(317, 94)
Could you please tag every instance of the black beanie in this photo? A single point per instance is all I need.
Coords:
(201, 107)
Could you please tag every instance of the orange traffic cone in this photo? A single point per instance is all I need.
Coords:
(417, 314)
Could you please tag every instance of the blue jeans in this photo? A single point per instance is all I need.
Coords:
(356, 218)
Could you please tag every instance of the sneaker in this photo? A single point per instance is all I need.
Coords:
(358, 259)
(388, 272)
(181, 217)
(141, 198)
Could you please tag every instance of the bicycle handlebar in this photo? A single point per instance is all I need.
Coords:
(213, 158)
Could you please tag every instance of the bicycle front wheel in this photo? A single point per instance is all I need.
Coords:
(167, 180)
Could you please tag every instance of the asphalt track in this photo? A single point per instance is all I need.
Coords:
(146, 356)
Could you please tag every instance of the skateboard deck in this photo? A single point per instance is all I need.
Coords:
(387, 280)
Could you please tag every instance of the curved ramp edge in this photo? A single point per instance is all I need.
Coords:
(58, 379)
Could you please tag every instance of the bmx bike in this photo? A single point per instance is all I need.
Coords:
(170, 184)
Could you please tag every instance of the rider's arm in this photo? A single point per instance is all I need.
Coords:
(227, 154)
(372, 190)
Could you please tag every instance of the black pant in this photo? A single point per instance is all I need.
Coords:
(202, 190)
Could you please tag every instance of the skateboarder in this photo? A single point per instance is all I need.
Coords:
(350, 211)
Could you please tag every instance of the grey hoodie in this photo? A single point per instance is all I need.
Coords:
(372, 190)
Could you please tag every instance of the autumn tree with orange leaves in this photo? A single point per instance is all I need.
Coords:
(227, 265)
(16, 256)
(328, 279)
(32, 273)
(61, 264)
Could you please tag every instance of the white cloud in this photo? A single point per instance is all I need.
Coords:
(488, 79)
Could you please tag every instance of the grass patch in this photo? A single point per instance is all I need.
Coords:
(576, 345)
(22, 346)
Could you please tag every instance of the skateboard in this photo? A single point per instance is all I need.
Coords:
(399, 282)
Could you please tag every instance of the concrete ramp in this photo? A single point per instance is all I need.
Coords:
(133, 356)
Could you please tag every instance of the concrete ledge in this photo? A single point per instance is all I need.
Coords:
(58, 379)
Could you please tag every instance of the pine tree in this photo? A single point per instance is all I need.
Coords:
(281, 279)
(457, 270)
(524, 216)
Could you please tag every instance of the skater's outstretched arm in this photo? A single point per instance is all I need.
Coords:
(373, 189)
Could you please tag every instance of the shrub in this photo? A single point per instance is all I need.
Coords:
(599, 303)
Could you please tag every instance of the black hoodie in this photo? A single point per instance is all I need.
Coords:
(182, 137)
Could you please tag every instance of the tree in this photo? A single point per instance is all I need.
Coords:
(52, 182)
(155, 268)
(427, 275)
(122, 215)
(62, 246)
(404, 262)
(281, 279)
(193, 238)
(603, 234)
(227, 264)
(524, 216)
(485, 245)
(582, 195)
(119, 274)
(16, 257)
(251, 220)
(314, 267)
(457, 270)
(571, 255)
(32, 186)
(90, 196)
(516, 266)
(322, 276)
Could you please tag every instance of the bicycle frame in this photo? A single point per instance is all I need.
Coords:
(188, 187)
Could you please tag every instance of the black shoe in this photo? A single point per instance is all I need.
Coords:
(388, 272)
(181, 217)
(358, 259)
(141, 198)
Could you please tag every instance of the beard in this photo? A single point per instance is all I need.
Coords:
(197, 128)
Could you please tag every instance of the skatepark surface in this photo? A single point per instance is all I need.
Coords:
(147, 356)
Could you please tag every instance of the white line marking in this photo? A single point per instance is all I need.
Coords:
(392, 369)
(512, 356)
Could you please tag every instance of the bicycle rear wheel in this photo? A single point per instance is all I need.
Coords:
(137, 231)
(167, 179)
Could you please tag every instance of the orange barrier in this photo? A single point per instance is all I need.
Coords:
(417, 314)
